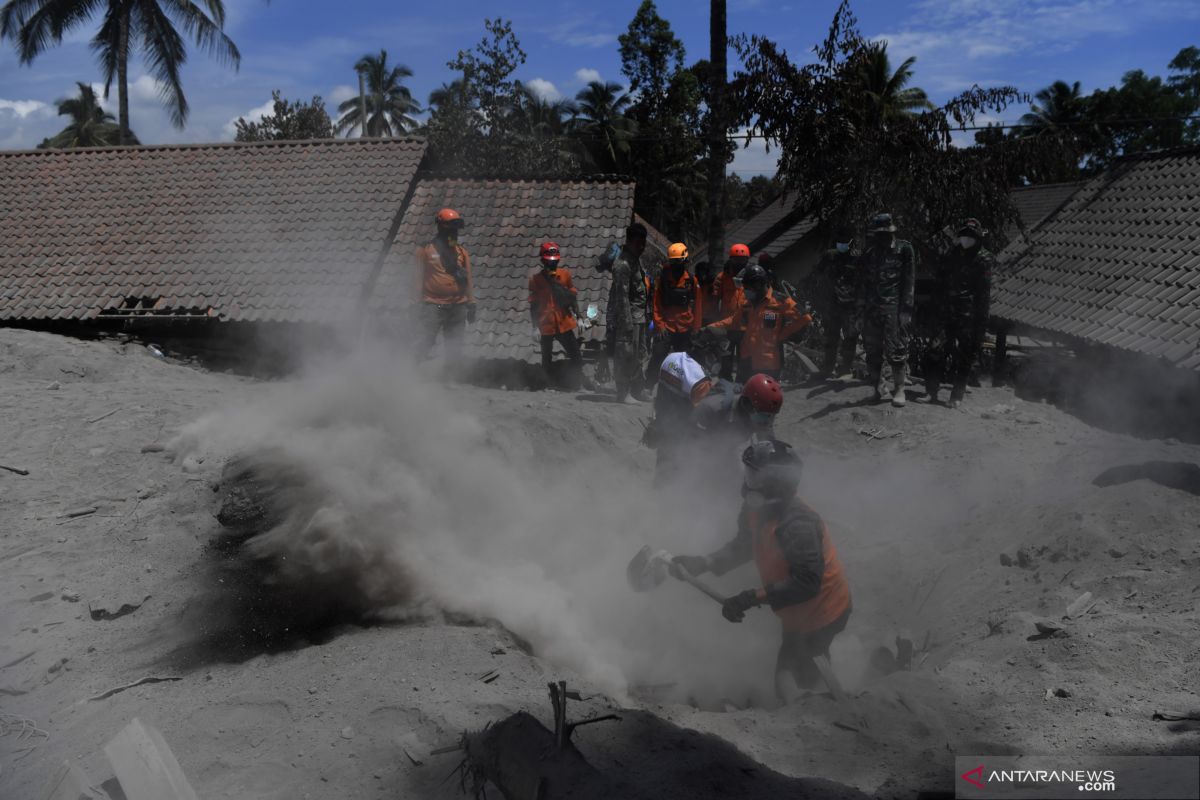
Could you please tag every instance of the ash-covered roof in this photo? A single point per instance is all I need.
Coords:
(1036, 203)
(279, 231)
(506, 221)
(1119, 263)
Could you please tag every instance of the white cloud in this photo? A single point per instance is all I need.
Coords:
(145, 89)
(342, 93)
(754, 159)
(544, 89)
(591, 39)
(587, 75)
(22, 108)
(253, 115)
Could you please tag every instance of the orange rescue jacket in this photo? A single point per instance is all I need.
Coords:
(730, 293)
(441, 285)
(765, 328)
(678, 308)
(833, 597)
(553, 315)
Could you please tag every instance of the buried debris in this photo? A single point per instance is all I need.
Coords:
(127, 686)
(1047, 630)
(103, 609)
(16, 470)
(1082, 605)
(145, 766)
(879, 433)
(1176, 716)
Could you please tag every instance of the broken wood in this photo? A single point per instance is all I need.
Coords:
(72, 783)
(1081, 606)
(127, 686)
(104, 416)
(1176, 716)
(79, 512)
(17, 470)
(145, 766)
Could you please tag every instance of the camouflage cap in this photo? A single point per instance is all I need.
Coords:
(971, 227)
(882, 223)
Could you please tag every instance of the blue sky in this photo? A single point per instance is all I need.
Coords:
(306, 47)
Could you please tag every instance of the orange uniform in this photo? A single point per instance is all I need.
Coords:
(765, 327)
(441, 285)
(730, 293)
(549, 291)
(833, 597)
(679, 307)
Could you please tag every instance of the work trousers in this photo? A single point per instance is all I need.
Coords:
(954, 354)
(797, 651)
(570, 345)
(629, 348)
(841, 339)
(884, 338)
(449, 319)
(664, 345)
(746, 370)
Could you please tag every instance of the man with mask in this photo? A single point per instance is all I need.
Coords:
(837, 277)
(730, 291)
(889, 269)
(447, 292)
(765, 321)
(625, 316)
(802, 577)
(678, 309)
(552, 309)
(963, 293)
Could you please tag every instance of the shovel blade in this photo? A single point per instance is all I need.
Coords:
(647, 570)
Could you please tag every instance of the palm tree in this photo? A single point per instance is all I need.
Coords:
(886, 93)
(601, 124)
(90, 126)
(390, 104)
(1059, 106)
(127, 25)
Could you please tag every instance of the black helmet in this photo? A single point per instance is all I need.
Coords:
(772, 468)
(754, 276)
(882, 223)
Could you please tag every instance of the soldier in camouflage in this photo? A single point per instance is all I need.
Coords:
(837, 290)
(962, 300)
(889, 267)
(625, 316)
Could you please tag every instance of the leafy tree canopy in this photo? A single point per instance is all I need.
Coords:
(287, 121)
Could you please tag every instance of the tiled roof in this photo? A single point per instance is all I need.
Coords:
(282, 231)
(1036, 203)
(505, 222)
(1119, 263)
(775, 228)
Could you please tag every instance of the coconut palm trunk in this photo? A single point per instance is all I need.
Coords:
(123, 82)
(718, 43)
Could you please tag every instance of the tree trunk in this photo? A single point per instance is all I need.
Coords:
(123, 81)
(717, 143)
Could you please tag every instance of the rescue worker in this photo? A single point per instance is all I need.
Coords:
(778, 285)
(730, 290)
(889, 268)
(625, 316)
(963, 299)
(765, 321)
(802, 577)
(709, 292)
(552, 309)
(837, 278)
(678, 309)
(740, 410)
(682, 384)
(447, 291)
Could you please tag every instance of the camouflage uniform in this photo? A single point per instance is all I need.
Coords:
(626, 321)
(838, 275)
(963, 300)
(885, 296)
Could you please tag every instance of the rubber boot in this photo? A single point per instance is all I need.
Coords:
(932, 387)
(882, 392)
(957, 393)
(899, 373)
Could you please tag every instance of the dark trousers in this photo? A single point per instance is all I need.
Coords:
(628, 349)
(570, 345)
(746, 370)
(841, 339)
(952, 358)
(449, 319)
(797, 650)
(884, 337)
(662, 347)
(730, 357)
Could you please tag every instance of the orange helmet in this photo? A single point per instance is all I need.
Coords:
(448, 216)
(550, 252)
(739, 250)
(677, 252)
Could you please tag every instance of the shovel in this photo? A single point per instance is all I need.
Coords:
(649, 568)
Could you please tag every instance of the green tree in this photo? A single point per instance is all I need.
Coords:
(288, 121)
(1058, 108)
(1186, 81)
(651, 55)
(90, 126)
(1143, 113)
(390, 104)
(887, 92)
(153, 26)
(602, 127)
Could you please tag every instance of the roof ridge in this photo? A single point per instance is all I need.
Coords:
(1166, 152)
(1054, 185)
(600, 177)
(334, 142)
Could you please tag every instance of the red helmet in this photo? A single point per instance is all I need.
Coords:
(739, 250)
(763, 393)
(550, 252)
(448, 216)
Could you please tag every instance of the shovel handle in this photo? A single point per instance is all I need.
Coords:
(684, 575)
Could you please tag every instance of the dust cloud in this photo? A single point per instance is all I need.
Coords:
(416, 501)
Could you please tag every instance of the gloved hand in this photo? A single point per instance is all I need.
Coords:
(695, 565)
(650, 436)
(470, 313)
(905, 319)
(734, 609)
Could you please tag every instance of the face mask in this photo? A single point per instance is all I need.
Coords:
(843, 247)
(882, 239)
(966, 242)
(753, 295)
(550, 266)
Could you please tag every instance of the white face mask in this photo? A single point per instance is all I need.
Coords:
(966, 242)
(843, 247)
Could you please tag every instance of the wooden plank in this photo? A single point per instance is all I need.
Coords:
(72, 783)
(145, 766)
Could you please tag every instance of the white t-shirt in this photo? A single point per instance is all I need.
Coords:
(682, 374)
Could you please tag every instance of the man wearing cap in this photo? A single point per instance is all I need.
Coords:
(625, 317)
(446, 289)
(552, 309)
(886, 296)
(802, 577)
(837, 277)
(963, 299)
